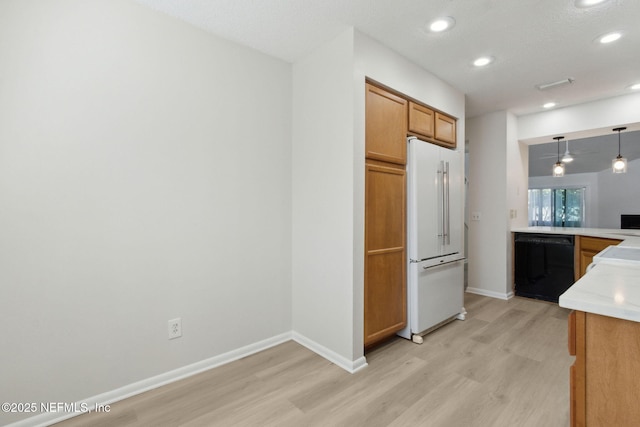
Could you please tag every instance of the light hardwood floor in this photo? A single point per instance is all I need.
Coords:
(506, 365)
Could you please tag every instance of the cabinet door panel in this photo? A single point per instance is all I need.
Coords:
(385, 295)
(445, 129)
(591, 246)
(612, 346)
(384, 210)
(385, 252)
(420, 120)
(386, 126)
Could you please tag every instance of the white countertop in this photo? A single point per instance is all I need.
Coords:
(609, 288)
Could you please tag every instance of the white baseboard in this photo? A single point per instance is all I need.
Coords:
(492, 294)
(133, 389)
(351, 366)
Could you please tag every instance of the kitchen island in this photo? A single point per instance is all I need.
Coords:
(604, 333)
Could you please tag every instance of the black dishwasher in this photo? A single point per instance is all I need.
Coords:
(543, 265)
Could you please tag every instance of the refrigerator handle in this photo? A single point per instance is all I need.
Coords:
(441, 220)
(426, 267)
(447, 233)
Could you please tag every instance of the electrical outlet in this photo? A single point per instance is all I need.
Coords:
(475, 216)
(175, 328)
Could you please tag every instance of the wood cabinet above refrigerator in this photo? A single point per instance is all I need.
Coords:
(432, 126)
(385, 126)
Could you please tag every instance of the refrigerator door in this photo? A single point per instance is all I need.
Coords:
(438, 294)
(435, 201)
(424, 201)
(454, 202)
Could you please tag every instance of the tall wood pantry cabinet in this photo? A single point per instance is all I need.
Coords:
(385, 291)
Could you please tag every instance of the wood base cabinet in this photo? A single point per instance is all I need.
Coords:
(606, 373)
(585, 249)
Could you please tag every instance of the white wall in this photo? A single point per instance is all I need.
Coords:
(389, 68)
(517, 176)
(490, 144)
(323, 195)
(145, 174)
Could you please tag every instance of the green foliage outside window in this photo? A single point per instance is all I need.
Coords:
(556, 207)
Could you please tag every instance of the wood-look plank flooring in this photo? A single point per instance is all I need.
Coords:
(506, 365)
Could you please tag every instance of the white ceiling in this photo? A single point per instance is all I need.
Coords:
(533, 41)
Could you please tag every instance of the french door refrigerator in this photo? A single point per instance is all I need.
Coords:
(435, 227)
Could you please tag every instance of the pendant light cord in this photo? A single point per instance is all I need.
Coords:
(558, 138)
(619, 130)
(619, 142)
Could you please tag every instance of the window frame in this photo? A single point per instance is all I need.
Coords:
(552, 207)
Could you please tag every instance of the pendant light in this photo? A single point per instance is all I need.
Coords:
(619, 164)
(558, 167)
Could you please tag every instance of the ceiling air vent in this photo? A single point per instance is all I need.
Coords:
(552, 85)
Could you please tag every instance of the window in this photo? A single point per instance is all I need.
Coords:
(556, 207)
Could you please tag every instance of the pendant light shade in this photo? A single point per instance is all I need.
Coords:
(558, 167)
(619, 164)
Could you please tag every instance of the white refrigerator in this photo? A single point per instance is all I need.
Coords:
(435, 239)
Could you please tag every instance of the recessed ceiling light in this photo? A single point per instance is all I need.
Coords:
(608, 38)
(635, 86)
(483, 61)
(442, 24)
(589, 3)
(549, 105)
